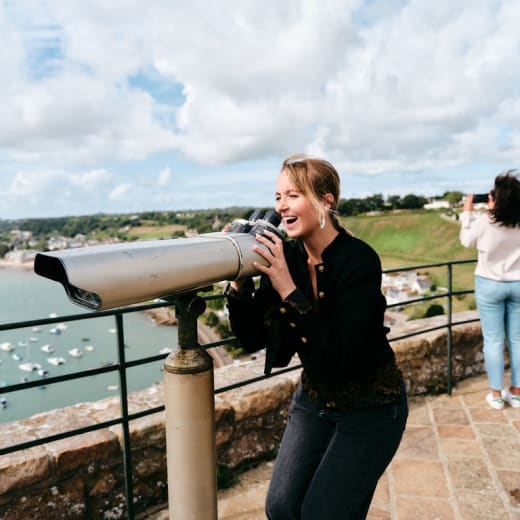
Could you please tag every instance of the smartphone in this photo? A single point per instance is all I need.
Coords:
(480, 197)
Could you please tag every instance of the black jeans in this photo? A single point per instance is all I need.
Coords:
(330, 461)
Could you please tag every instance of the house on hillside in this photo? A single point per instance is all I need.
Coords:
(437, 204)
(20, 256)
(404, 286)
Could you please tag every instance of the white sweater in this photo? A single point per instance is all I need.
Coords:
(498, 246)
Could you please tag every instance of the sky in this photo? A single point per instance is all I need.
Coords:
(128, 106)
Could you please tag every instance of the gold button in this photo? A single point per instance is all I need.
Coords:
(283, 310)
(321, 294)
(293, 325)
(321, 268)
(304, 339)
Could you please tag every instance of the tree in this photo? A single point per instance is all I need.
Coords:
(394, 201)
(453, 197)
(412, 201)
(434, 310)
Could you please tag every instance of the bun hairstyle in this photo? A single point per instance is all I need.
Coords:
(316, 179)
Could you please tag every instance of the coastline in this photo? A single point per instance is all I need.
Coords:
(28, 266)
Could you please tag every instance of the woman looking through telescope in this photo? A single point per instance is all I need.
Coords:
(320, 297)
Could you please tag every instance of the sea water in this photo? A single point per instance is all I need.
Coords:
(27, 296)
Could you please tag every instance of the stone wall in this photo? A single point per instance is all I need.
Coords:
(83, 476)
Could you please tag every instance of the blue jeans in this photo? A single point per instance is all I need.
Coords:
(330, 461)
(499, 308)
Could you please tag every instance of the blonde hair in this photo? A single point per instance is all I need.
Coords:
(315, 178)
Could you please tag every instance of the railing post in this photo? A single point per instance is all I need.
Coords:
(450, 335)
(190, 419)
(127, 448)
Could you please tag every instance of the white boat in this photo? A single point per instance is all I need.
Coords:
(53, 315)
(165, 350)
(36, 329)
(29, 367)
(17, 357)
(112, 387)
(75, 352)
(42, 372)
(89, 348)
(48, 349)
(55, 330)
(3, 402)
(6, 346)
(62, 326)
(56, 360)
(22, 343)
(32, 339)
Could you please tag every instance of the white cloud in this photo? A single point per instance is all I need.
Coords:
(164, 177)
(376, 87)
(120, 191)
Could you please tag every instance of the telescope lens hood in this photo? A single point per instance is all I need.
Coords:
(52, 267)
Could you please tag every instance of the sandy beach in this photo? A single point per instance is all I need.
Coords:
(4, 264)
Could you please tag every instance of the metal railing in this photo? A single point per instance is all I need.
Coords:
(122, 365)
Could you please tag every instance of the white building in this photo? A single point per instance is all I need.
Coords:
(404, 286)
(437, 204)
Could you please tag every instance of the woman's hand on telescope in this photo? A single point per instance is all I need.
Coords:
(277, 270)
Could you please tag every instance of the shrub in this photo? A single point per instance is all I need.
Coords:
(212, 319)
(434, 310)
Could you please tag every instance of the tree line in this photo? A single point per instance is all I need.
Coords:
(107, 225)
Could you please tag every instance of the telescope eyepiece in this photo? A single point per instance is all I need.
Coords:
(257, 223)
(270, 220)
(257, 214)
(272, 217)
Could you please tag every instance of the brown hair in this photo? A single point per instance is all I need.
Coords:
(315, 178)
(506, 195)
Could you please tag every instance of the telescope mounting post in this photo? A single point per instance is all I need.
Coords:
(190, 418)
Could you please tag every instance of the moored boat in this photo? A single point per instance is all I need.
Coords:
(29, 367)
(56, 360)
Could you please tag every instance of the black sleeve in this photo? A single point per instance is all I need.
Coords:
(247, 311)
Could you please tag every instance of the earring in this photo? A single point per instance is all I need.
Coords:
(322, 219)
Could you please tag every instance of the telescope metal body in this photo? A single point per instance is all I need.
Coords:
(107, 276)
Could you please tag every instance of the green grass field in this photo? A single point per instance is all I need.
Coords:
(410, 238)
(149, 232)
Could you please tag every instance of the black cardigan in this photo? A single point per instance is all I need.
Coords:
(340, 337)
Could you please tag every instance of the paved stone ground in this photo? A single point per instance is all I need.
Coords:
(459, 460)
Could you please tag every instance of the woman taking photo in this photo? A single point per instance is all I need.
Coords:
(496, 234)
(320, 297)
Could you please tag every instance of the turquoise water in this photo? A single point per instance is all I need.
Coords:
(27, 296)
